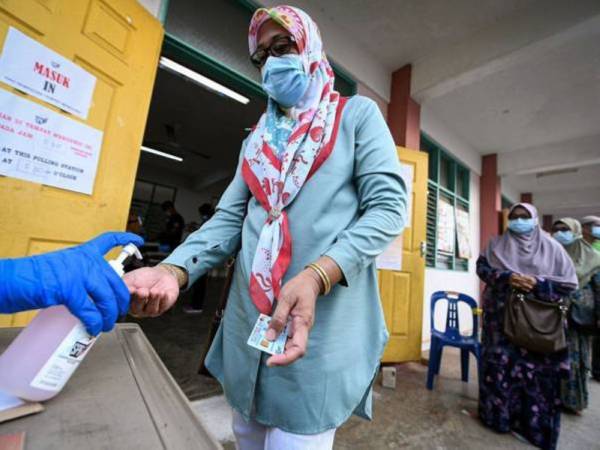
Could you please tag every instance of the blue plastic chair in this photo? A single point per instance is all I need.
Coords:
(451, 336)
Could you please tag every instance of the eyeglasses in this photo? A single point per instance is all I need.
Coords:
(280, 46)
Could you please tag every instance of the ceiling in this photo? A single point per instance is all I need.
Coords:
(541, 114)
(550, 97)
(204, 128)
(398, 32)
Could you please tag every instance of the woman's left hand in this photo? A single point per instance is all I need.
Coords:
(526, 283)
(296, 301)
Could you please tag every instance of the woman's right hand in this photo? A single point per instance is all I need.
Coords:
(522, 282)
(153, 290)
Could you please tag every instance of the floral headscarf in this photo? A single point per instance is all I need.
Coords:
(275, 182)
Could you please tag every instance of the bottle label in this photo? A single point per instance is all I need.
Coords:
(65, 359)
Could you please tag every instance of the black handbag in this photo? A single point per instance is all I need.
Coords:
(220, 311)
(218, 317)
(534, 324)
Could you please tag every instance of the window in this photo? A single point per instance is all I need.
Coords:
(448, 192)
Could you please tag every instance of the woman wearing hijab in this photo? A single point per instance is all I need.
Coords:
(590, 227)
(591, 234)
(567, 231)
(519, 390)
(317, 195)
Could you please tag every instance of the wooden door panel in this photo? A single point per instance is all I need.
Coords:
(119, 43)
(402, 291)
(398, 307)
(29, 15)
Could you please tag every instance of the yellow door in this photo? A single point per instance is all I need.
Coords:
(402, 291)
(119, 43)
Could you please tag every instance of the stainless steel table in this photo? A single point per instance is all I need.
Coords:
(121, 397)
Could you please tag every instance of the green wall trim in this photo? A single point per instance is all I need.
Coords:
(437, 259)
(162, 12)
(184, 53)
(249, 5)
(346, 77)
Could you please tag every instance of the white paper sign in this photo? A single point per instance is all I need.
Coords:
(39, 145)
(446, 229)
(407, 172)
(391, 258)
(33, 68)
(463, 231)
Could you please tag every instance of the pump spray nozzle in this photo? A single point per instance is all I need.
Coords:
(118, 263)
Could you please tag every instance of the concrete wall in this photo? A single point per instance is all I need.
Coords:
(509, 190)
(363, 89)
(453, 143)
(218, 28)
(443, 280)
(153, 6)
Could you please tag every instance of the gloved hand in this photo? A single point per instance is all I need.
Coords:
(77, 277)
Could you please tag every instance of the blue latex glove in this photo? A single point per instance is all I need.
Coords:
(77, 277)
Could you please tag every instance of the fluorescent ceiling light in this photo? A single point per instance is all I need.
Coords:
(551, 173)
(201, 79)
(557, 167)
(163, 154)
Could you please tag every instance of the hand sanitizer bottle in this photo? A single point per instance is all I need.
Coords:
(42, 358)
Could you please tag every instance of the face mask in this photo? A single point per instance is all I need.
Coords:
(564, 237)
(284, 80)
(521, 226)
(596, 231)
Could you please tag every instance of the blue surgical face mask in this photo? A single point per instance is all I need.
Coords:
(564, 237)
(596, 231)
(284, 79)
(522, 226)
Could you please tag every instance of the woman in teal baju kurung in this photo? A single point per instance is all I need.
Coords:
(346, 207)
(349, 210)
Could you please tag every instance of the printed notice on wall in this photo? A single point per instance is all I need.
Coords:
(31, 67)
(391, 258)
(463, 231)
(407, 172)
(40, 145)
(446, 227)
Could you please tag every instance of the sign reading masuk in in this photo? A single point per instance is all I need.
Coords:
(31, 67)
(40, 145)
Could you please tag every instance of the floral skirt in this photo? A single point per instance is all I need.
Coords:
(574, 389)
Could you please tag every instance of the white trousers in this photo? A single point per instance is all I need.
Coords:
(254, 436)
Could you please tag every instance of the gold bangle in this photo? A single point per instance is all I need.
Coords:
(180, 274)
(321, 277)
(324, 277)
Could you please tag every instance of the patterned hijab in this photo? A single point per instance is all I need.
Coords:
(276, 181)
(535, 253)
(585, 258)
